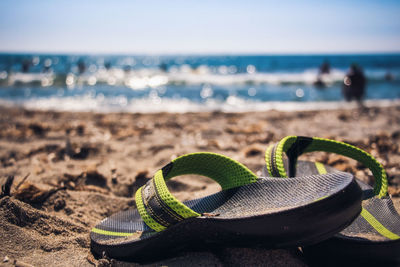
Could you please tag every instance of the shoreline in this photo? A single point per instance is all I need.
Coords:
(232, 105)
(102, 158)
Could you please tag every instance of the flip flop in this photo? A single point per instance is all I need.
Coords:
(247, 212)
(375, 235)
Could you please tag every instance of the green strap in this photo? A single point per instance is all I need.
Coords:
(377, 225)
(159, 209)
(294, 146)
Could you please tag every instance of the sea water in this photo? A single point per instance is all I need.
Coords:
(183, 83)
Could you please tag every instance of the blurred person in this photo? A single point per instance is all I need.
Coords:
(107, 65)
(325, 68)
(354, 84)
(127, 69)
(81, 66)
(26, 64)
(163, 67)
(47, 66)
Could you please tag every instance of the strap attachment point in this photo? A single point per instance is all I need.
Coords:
(294, 146)
(159, 209)
(295, 150)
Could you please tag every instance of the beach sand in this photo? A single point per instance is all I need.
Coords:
(85, 166)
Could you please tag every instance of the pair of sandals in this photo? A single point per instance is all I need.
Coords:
(332, 215)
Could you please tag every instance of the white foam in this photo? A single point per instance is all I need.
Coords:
(153, 105)
(45, 79)
(306, 77)
(152, 78)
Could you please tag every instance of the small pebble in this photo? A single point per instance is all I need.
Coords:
(59, 204)
(252, 151)
(18, 263)
(68, 211)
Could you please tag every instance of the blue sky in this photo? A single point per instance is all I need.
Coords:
(163, 27)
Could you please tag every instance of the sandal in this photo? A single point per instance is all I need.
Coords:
(249, 211)
(375, 235)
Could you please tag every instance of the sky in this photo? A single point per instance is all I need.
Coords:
(200, 27)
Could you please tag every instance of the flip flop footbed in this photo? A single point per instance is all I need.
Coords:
(272, 212)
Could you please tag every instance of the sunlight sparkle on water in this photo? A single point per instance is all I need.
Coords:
(251, 69)
(299, 92)
(206, 91)
(252, 91)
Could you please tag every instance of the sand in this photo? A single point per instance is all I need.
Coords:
(82, 167)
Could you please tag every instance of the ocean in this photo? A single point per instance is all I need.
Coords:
(231, 83)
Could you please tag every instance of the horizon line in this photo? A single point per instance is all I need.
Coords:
(200, 53)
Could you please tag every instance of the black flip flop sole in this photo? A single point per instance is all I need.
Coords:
(272, 213)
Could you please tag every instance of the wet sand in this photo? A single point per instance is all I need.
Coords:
(83, 167)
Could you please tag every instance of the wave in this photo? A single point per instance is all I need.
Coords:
(155, 105)
(184, 75)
